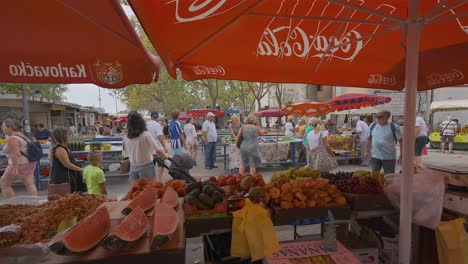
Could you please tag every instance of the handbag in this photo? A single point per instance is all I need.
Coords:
(321, 159)
(239, 141)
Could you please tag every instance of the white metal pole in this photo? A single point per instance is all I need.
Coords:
(411, 86)
(27, 127)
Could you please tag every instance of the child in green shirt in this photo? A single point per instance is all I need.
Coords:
(93, 176)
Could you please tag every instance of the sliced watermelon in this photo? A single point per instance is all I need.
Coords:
(165, 222)
(85, 235)
(144, 200)
(131, 229)
(170, 197)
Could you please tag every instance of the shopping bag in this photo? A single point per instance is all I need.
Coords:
(428, 196)
(239, 245)
(452, 242)
(254, 224)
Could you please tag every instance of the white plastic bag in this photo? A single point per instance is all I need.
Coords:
(428, 196)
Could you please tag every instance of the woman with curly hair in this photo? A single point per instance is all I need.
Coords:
(140, 146)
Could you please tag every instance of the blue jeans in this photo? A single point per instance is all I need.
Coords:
(210, 154)
(142, 171)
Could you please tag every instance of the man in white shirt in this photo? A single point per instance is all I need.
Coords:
(210, 136)
(156, 131)
(449, 132)
(421, 138)
(361, 133)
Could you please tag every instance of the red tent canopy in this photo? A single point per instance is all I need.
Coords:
(68, 41)
(271, 113)
(196, 113)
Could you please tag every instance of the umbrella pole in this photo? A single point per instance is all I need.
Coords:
(411, 85)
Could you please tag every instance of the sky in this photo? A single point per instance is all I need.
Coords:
(88, 94)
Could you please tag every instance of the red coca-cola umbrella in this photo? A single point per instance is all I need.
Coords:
(67, 41)
(183, 116)
(196, 113)
(274, 112)
(389, 44)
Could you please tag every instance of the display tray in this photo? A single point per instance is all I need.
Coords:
(294, 215)
(368, 202)
(171, 252)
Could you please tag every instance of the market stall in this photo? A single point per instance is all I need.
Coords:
(461, 140)
(273, 150)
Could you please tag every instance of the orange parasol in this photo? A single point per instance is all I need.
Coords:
(308, 108)
(68, 41)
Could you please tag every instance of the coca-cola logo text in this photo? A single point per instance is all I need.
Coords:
(204, 70)
(194, 10)
(26, 69)
(381, 79)
(302, 45)
(437, 79)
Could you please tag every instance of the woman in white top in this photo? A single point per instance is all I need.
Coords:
(191, 138)
(288, 128)
(314, 137)
(19, 166)
(140, 146)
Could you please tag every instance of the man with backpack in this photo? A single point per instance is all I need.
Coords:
(382, 138)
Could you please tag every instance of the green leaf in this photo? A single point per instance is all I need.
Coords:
(65, 224)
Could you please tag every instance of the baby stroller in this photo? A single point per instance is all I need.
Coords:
(179, 168)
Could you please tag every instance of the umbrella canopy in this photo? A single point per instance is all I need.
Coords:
(356, 100)
(68, 41)
(362, 111)
(334, 42)
(450, 105)
(183, 116)
(196, 113)
(390, 44)
(274, 112)
(308, 108)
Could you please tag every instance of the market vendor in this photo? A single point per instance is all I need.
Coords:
(235, 126)
(41, 133)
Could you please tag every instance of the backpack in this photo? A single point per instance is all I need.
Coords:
(34, 150)
(392, 126)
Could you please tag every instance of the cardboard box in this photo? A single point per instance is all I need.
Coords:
(301, 252)
(456, 202)
(389, 253)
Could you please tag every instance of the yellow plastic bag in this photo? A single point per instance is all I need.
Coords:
(452, 242)
(253, 234)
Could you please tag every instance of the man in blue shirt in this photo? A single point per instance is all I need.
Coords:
(177, 135)
(41, 133)
(382, 137)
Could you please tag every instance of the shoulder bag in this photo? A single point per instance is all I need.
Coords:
(442, 132)
(321, 159)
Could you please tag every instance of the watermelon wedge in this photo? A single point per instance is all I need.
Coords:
(132, 228)
(165, 222)
(144, 200)
(85, 235)
(170, 197)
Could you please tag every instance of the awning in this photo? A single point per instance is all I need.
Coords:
(66, 41)
(450, 105)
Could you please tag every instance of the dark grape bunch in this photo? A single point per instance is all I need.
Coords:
(349, 184)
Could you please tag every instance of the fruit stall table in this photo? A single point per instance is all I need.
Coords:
(271, 153)
(460, 141)
(171, 252)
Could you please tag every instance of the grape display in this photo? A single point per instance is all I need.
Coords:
(348, 183)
